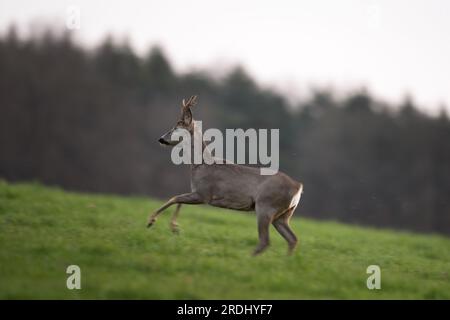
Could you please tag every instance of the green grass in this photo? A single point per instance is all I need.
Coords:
(44, 230)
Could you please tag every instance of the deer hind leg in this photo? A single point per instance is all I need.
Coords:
(281, 224)
(173, 222)
(187, 198)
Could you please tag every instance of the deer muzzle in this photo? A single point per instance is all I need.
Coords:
(166, 138)
(162, 141)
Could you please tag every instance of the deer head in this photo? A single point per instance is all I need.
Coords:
(185, 122)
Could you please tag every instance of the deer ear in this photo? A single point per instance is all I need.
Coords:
(193, 100)
(187, 116)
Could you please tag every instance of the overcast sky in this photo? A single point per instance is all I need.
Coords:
(391, 47)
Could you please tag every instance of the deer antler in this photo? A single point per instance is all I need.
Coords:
(192, 101)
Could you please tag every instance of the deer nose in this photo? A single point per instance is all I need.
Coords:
(161, 140)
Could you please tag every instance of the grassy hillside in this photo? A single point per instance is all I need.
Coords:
(43, 230)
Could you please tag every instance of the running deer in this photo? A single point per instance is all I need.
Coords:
(232, 186)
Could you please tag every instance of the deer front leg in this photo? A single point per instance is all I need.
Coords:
(173, 221)
(187, 198)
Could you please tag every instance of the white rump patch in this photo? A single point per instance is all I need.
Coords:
(296, 198)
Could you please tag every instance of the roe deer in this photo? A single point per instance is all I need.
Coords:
(232, 186)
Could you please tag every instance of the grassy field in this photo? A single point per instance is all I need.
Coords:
(44, 230)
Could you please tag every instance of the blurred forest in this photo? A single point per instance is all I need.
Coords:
(89, 120)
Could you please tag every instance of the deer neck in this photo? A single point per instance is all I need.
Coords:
(198, 145)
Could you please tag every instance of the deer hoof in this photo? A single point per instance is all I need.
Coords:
(175, 228)
(260, 249)
(256, 252)
(151, 222)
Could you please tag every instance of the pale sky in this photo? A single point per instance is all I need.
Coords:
(392, 48)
